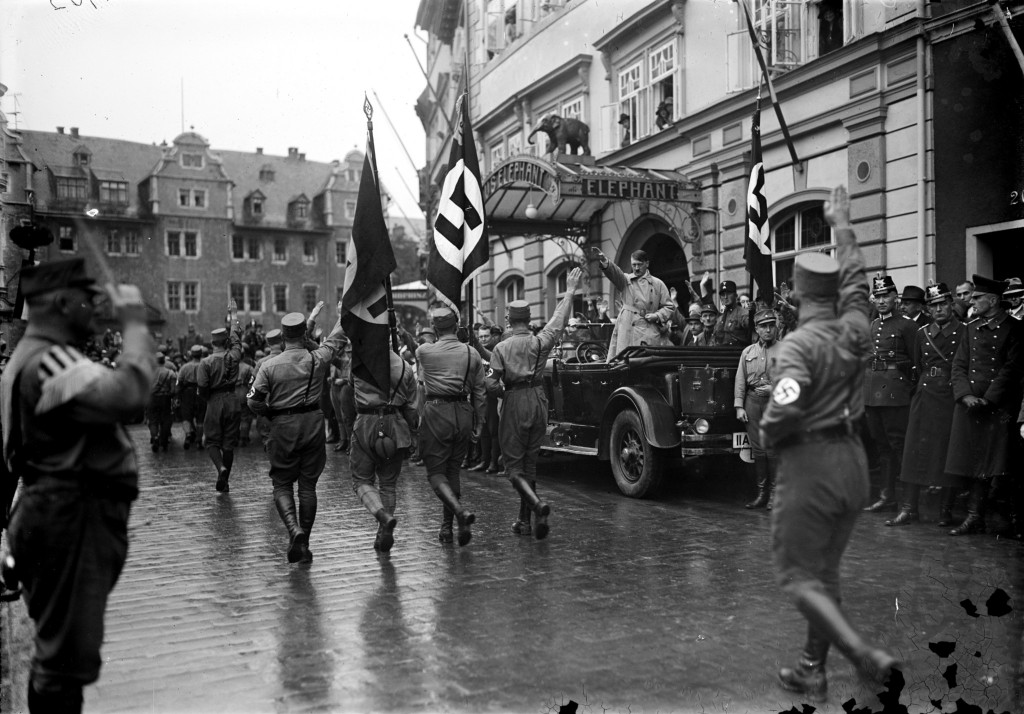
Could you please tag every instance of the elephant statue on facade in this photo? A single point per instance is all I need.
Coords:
(562, 132)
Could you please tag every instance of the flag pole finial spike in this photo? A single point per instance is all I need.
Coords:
(367, 107)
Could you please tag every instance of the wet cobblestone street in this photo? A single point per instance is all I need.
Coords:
(643, 606)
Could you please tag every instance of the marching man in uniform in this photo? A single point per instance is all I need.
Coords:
(216, 377)
(193, 409)
(517, 364)
(822, 485)
(454, 409)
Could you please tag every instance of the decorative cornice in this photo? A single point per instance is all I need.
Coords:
(578, 66)
(637, 23)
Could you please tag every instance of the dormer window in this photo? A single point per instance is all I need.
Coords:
(81, 157)
(301, 210)
(257, 206)
(267, 174)
(192, 161)
(298, 208)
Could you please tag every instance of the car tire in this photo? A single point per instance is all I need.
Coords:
(638, 467)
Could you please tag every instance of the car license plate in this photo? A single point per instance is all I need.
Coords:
(740, 440)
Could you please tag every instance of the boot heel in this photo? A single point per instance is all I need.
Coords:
(465, 521)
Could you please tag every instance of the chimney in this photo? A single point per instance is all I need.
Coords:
(60, 130)
(293, 152)
(259, 150)
(302, 157)
(74, 132)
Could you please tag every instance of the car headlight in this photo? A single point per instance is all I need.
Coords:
(701, 426)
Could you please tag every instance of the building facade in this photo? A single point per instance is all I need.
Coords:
(907, 104)
(193, 227)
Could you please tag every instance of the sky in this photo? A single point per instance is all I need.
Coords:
(267, 73)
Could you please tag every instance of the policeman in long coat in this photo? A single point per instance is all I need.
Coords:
(286, 391)
(646, 304)
(517, 364)
(987, 372)
(216, 377)
(817, 397)
(63, 433)
(453, 412)
(931, 411)
(888, 386)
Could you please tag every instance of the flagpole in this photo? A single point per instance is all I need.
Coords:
(392, 320)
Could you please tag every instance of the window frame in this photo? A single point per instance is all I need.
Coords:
(340, 252)
(309, 258)
(190, 195)
(237, 247)
(309, 305)
(132, 247)
(121, 192)
(282, 257)
(113, 242)
(67, 233)
(192, 155)
(65, 183)
(797, 213)
(350, 209)
(282, 305)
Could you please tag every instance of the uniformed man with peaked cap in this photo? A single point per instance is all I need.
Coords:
(453, 412)
(286, 391)
(751, 391)
(517, 366)
(733, 326)
(817, 397)
(63, 434)
(888, 386)
(931, 411)
(986, 376)
(216, 378)
(193, 407)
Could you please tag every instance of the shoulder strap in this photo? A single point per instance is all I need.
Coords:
(934, 346)
(312, 369)
(394, 392)
(469, 361)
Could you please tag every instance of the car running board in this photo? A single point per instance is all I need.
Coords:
(570, 449)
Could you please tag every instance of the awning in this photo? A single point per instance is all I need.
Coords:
(567, 193)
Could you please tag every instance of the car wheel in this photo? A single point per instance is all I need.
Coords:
(637, 466)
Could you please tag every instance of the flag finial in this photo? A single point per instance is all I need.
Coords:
(367, 107)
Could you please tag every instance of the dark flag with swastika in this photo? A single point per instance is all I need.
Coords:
(460, 247)
(369, 261)
(757, 250)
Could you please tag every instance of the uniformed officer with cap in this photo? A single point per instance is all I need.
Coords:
(517, 364)
(986, 377)
(216, 378)
(273, 338)
(693, 326)
(707, 337)
(158, 411)
(1014, 294)
(931, 411)
(62, 417)
(381, 437)
(193, 407)
(817, 398)
(286, 391)
(888, 386)
(733, 326)
(751, 392)
(454, 410)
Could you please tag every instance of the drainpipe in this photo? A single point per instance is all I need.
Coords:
(922, 148)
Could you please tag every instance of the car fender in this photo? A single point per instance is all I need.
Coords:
(659, 421)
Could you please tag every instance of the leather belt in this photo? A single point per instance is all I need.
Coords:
(382, 410)
(446, 398)
(829, 433)
(304, 409)
(881, 365)
(520, 385)
(937, 372)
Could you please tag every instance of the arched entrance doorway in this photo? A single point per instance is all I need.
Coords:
(668, 259)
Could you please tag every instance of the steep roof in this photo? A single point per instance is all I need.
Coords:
(292, 177)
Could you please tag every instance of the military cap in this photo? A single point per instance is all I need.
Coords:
(936, 293)
(443, 317)
(55, 275)
(727, 286)
(519, 310)
(882, 284)
(293, 325)
(1014, 288)
(160, 358)
(219, 335)
(708, 307)
(987, 285)
(912, 292)
(428, 331)
(259, 354)
(763, 316)
(196, 349)
(273, 337)
(817, 275)
(694, 312)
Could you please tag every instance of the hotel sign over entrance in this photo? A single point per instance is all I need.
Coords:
(623, 188)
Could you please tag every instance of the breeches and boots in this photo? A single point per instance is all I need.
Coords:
(297, 453)
(220, 428)
(193, 412)
(160, 418)
(765, 461)
(375, 477)
(887, 427)
(524, 419)
(69, 546)
(822, 486)
(445, 432)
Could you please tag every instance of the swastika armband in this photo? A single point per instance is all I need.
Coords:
(786, 391)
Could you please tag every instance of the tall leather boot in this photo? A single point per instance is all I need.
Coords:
(975, 521)
(387, 520)
(773, 469)
(887, 499)
(370, 498)
(909, 510)
(823, 613)
(522, 525)
(229, 461)
(66, 701)
(285, 503)
(540, 509)
(946, 509)
(445, 534)
(448, 497)
(218, 462)
(808, 676)
(307, 515)
(763, 486)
